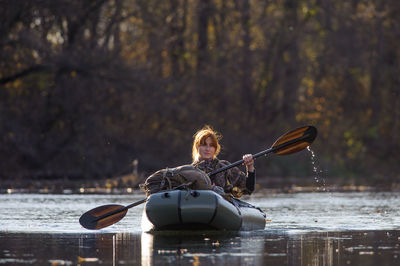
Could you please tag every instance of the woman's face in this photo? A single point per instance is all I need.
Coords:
(207, 150)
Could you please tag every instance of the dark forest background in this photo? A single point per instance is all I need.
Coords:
(86, 87)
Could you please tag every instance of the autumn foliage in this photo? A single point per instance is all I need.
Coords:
(86, 87)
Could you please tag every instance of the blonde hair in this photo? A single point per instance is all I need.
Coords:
(200, 138)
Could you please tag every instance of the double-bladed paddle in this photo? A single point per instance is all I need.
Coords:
(291, 142)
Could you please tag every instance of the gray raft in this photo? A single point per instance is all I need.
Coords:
(199, 210)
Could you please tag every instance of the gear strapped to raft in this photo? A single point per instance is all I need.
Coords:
(182, 177)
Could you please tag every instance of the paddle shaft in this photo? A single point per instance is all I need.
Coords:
(272, 149)
(120, 210)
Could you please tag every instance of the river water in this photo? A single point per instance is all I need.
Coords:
(353, 228)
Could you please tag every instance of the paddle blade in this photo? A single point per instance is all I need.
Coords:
(102, 216)
(295, 140)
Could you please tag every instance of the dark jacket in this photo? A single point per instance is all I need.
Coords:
(232, 180)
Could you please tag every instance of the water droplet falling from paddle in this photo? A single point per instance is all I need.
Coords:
(317, 171)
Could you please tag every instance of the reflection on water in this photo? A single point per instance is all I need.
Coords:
(202, 248)
(302, 229)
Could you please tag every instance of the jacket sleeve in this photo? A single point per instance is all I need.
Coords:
(251, 181)
(234, 180)
(243, 182)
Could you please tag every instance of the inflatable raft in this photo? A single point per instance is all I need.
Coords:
(199, 210)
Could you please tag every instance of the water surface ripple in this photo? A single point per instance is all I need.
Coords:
(289, 212)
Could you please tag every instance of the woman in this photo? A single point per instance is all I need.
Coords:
(205, 149)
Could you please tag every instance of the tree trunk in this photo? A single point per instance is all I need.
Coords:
(204, 10)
